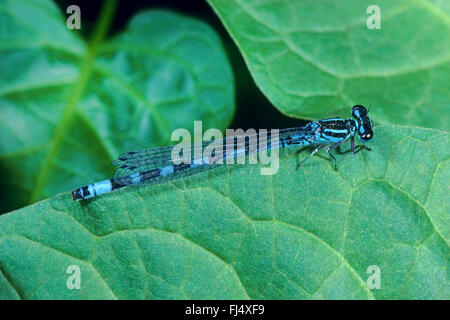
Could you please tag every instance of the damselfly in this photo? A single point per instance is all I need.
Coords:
(156, 165)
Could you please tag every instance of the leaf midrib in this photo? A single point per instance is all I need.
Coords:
(100, 31)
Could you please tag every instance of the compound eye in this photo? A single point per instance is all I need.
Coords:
(367, 136)
(358, 111)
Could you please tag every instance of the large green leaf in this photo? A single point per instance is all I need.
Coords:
(68, 109)
(310, 233)
(314, 59)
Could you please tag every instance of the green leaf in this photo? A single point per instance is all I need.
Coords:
(68, 109)
(236, 234)
(314, 59)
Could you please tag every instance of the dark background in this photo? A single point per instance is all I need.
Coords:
(253, 109)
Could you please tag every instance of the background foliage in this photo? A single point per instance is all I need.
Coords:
(403, 69)
(68, 106)
(68, 109)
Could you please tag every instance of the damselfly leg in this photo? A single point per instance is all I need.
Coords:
(311, 154)
(332, 147)
(360, 147)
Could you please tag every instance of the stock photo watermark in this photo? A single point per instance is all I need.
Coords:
(374, 20)
(74, 20)
(259, 145)
(374, 280)
(73, 282)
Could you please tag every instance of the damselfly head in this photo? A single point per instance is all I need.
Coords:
(365, 125)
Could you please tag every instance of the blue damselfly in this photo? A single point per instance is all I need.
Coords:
(156, 165)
